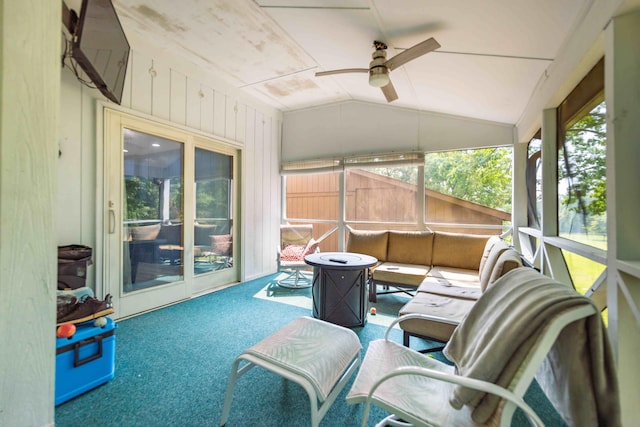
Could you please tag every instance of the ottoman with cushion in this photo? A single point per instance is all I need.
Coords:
(318, 355)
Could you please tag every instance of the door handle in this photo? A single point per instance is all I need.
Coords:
(112, 218)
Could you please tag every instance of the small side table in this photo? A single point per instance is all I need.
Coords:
(339, 286)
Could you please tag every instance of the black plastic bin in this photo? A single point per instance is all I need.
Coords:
(73, 261)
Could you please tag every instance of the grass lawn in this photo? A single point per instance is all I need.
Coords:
(584, 271)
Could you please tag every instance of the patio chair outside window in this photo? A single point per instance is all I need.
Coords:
(296, 241)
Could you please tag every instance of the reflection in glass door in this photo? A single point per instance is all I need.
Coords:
(213, 225)
(152, 209)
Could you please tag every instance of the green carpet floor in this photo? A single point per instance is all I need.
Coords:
(172, 366)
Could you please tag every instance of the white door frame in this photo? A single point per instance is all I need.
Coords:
(109, 213)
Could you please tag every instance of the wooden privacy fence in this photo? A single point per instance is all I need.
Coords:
(374, 198)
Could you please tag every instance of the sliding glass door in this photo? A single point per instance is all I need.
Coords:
(212, 230)
(170, 199)
(152, 206)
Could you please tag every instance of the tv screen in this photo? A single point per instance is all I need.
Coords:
(101, 47)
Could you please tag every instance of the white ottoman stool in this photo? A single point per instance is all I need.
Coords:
(318, 355)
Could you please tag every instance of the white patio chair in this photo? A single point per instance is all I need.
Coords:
(296, 241)
(420, 391)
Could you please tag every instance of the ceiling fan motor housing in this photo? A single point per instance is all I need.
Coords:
(378, 72)
(379, 67)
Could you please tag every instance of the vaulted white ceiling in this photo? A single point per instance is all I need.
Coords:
(493, 52)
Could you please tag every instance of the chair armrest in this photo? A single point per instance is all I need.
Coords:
(418, 316)
(459, 380)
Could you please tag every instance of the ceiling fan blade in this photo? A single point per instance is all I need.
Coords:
(345, 70)
(389, 92)
(412, 53)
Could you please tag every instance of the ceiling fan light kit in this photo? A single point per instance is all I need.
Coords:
(379, 77)
(379, 67)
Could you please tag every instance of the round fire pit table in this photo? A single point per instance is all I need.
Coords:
(339, 286)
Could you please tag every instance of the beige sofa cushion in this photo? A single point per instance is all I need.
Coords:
(452, 282)
(409, 247)
(454, 274)
(373, 243)
(497, 249)
(458, 250)
(452, 309)
(401, 274)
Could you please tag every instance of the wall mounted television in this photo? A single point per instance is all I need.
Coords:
(101, 48)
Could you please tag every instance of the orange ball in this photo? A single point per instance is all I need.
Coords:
(373, 311)
(66, 330)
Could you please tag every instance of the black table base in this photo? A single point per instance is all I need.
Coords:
(339, 289)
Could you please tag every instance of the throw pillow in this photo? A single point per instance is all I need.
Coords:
(221, 244)
(292, 252)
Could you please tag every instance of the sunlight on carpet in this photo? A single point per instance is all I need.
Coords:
(387, 306)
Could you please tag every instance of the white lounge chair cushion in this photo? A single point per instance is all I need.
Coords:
(319, 351)
(422, 397)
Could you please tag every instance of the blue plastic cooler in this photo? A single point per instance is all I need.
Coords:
(84, 361)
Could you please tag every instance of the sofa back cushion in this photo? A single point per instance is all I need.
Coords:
(494, 253)
(373, 243)
(507, 261)
(410, 247)
(458, 249)
(487, 249)
(171, 234)
(202, 233)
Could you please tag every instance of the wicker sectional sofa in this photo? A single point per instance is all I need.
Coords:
(446, 273)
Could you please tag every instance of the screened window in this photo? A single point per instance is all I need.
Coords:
(582, 206)
(534, 181)
(381, 194)
(469, 187)
(314, 198)
(459, 191)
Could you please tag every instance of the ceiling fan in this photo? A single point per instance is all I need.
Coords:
(380, 66)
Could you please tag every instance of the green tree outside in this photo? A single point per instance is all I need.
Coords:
(142, 196)
(481, 176)
(582, 175)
